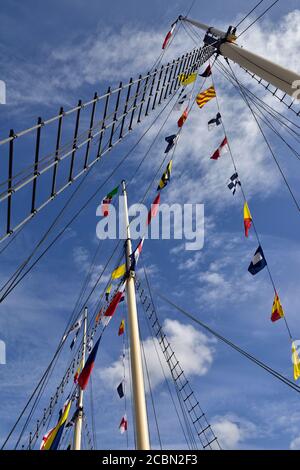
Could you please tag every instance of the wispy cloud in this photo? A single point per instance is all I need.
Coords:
(195, 354)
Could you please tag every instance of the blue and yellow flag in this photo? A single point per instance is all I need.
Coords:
(52, 439)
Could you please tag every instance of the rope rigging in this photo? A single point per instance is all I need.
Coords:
(259, 17)
(263, 113)
(13, 282)
(16, 278)
(267, 142)
(286, 100)
(46, 376)
(69, 322)
(183, 420)
(151, 90)
(249, 13)
(151, 396)
(193, 421)
(245, 202)
(199, 422)
(244, 353)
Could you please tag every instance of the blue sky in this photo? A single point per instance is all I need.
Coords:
(66, 51)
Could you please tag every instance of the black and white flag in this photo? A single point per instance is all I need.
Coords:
(75, 327)
(233, 182)
(90, 345)
(181, 100)
(74, 340)
(214, 122)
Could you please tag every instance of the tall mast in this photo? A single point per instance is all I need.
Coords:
(274, 74)
(138, 388)
(79, 418)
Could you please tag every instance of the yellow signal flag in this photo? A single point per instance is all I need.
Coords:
(296, 361)
(185, 79)
(119, 272)
(205, 96)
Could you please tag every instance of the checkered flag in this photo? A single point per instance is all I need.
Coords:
(233, 182)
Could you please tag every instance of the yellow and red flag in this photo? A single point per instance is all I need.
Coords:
(247, 219)
(121, 328)
(277, 310)
(77, 373)
(205, 96)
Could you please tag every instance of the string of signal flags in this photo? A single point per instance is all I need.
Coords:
(258, 262)
(113, 297)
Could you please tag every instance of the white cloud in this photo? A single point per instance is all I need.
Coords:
(195, 354)
(279, 44)
(191, 262)
(81, 258)
(83, 261)
(228, 433)
(231, 430)
(295, 444)
(106, 56)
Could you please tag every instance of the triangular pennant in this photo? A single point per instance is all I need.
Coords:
(85, 374)
(277, 310)
(223, 148)
(154, 209)
(123, 424)
(120, 390)
(183, 118)
(165, 176)
(121, 328)
(207, 72)
(247, 219)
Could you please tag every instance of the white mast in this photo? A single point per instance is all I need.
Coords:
(274, 74)
(79, 418)
(138, 388)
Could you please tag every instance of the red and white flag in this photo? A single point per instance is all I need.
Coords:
(117, 298)
(183, 118)
(223, 148)
(154, 209)
(123, 425)
(169, 35)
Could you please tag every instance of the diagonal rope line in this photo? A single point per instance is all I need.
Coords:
(234, 346)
